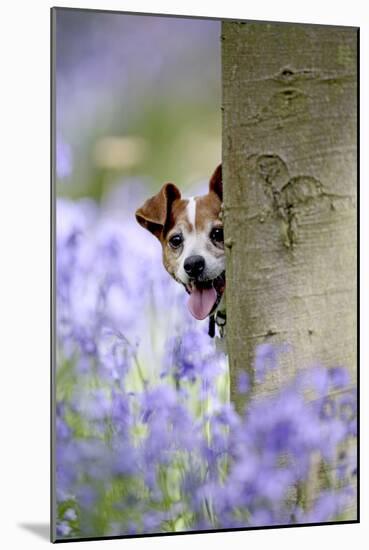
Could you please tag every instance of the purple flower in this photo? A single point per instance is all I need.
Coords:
(70, 515)
(315, 378)
(339, 377)
(144, 427)
(325, 508)
(63, 529)
(243, 383)
(93, 405)
(193, 355)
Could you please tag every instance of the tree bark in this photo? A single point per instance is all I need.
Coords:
(290, 178)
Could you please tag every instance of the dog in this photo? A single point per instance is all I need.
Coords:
(191, 235)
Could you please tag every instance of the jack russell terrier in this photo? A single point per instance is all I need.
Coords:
(191, 234)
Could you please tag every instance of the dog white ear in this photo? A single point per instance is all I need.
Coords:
(216, 183)
(154, 213)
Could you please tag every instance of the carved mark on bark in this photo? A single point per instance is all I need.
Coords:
(299, 191)
(283, 104)
(288, 196)
(289, 74)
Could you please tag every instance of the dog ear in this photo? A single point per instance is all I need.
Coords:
(154, 213)
(216, 183)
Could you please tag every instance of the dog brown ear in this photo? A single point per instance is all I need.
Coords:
(154, 213)
(216, 183)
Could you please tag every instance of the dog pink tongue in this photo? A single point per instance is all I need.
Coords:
(201, 302)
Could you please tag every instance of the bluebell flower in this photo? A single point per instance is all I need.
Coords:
(144, 427)
(243, 382)
(339, 377)
(63, 529)
(70, 515)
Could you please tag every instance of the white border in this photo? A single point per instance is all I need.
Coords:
(24, 253)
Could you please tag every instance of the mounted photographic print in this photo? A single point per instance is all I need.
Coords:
(204, 274)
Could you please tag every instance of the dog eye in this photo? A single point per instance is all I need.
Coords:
(175, 241)
(216, 235)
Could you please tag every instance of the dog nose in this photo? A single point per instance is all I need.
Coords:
(194, 266)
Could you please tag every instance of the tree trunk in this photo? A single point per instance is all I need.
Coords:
(290, 171)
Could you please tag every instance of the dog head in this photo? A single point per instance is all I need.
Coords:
(191, 234)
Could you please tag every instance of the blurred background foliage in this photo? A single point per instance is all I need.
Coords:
(136, 97)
